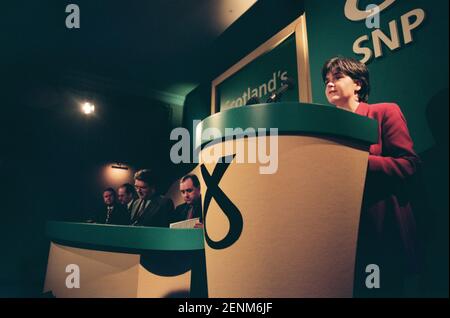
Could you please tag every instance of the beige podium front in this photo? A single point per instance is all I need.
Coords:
(297, 231)
(95, 260)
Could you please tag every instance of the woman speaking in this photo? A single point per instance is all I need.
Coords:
(387, 235)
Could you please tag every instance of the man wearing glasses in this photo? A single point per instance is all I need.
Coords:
(151, 209)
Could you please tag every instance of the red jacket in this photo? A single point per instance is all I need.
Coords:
(387, 221)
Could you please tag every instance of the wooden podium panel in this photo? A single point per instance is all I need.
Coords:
(292, 232)
(124, 261)
(109, 275)
(300, 224)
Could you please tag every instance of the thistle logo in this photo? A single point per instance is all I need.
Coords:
(373, 19)
(229, 209)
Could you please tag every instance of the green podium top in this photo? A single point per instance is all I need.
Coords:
(291, 119)
(120, 237)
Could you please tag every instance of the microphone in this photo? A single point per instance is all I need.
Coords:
(285, 85)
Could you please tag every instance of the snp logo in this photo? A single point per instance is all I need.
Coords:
(73, 279)
(408, 22)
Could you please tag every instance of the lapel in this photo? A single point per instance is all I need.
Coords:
(135, 209)
(150, 208)
(132, 208)
(148, 211)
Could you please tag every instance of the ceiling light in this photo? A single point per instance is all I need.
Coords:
(119, 166)
(88, 108)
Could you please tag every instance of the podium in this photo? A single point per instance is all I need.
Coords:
(287, 231)
(293, 232)
(94, 260)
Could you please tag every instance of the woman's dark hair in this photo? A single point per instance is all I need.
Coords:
(356, 70)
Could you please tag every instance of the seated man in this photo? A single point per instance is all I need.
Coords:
(127, 197)
(113, 212)
(151, 209)
(192, 206)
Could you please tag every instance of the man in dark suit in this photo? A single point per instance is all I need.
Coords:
(192, 206)
(127, 197)
(151, 209)
(113, 212)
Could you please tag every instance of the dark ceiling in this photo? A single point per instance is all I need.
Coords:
(136, 46)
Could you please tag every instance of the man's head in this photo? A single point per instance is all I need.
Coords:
(125, 193)
(144, 183)
(190, 188)
(109, 196)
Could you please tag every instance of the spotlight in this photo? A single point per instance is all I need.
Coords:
(88, 108)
